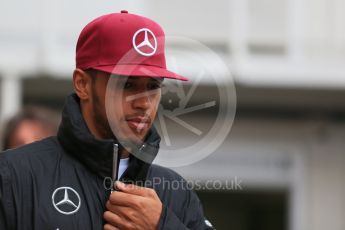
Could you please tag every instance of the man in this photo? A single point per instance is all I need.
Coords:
(31, 124)
(60, 182)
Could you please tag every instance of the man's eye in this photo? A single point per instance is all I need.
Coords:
(154, 86)
(127, 85)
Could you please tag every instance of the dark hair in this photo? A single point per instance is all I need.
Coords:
(49, 119)
(92, 73)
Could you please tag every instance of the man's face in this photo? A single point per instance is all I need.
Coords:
(29, 131)
(133, 105)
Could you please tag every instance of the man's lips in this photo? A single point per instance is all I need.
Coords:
(138, 123)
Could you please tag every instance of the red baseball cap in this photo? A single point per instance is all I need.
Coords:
(124, 44)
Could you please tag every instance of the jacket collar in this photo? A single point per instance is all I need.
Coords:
(95, 154)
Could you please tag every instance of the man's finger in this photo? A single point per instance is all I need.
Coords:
(123, 199)
(110, 227)
(121, 211)
(112, 219)
(134, 189)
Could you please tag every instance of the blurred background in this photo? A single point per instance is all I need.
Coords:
(287, 59)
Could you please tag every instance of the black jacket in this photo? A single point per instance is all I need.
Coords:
(59, 182)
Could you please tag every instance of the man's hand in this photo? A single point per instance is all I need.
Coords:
(132, 207)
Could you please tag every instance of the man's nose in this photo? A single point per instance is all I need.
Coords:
(141, 101)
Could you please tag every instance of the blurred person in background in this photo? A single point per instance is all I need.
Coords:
(61, 182)
(31, 124)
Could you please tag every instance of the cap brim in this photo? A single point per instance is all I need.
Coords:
(140, 71)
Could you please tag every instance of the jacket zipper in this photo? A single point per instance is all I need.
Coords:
(115, 170)
(116, 161)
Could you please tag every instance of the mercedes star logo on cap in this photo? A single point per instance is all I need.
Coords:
(66, 200)
(149, 42)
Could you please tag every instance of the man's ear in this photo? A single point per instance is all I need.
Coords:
(82, 84)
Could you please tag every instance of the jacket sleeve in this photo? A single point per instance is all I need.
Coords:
(193, 216)
(6, 205)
